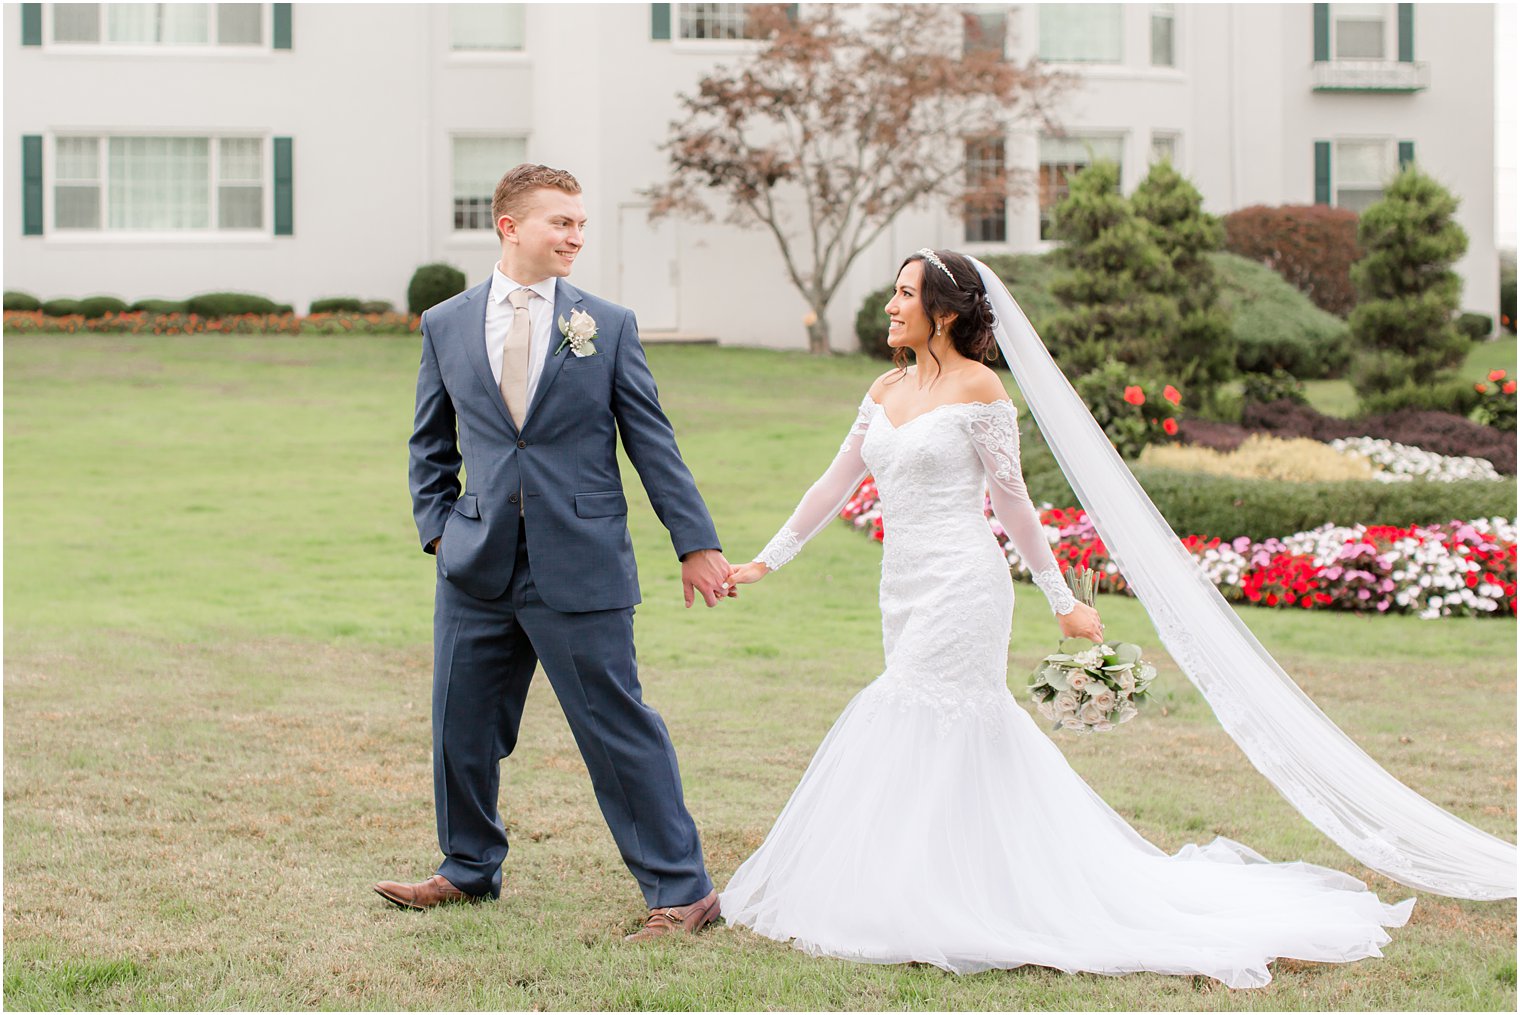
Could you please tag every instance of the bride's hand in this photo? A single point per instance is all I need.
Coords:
(1082, 622)
(748, 574)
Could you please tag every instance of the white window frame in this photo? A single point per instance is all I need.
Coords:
(199, 50)
(1390, 161)
(492, 56)
(495, 135)
(680, 43)
(968, 215)
(1390, 30)
(1162, 10)
(1175, 137)
(1117, 61)
(1119, 136)
(107, 236)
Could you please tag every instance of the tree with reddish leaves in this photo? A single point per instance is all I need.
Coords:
(842, 119)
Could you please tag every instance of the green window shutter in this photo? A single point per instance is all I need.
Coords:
(659, 21)
(31, 185)
(284, 198)
(1406, 33)
(31, 24)
(1321, 33)
(1322, 172)
(791, 12)
(1406, 153)
(282, 26)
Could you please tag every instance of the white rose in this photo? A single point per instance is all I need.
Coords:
(1066, 702)
(1104, 699)
(1079, 680)
(1091, 713)
(1046, 709)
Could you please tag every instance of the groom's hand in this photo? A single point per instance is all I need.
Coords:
(706, 571)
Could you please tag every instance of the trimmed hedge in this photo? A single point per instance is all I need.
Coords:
(1277, 327)
(1312, 246)
(99, 306)
(234, 305)
(431, 284)
(17, 300)
(337, 305)
(1476, 327)
(377, 307)
(160, 307)
(63, 308)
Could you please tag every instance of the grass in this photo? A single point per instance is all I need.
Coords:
(1335, 398)
(216, 726)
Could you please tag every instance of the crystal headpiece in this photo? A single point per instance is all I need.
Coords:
(933, 258)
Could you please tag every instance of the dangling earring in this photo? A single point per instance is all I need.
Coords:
(937, 327)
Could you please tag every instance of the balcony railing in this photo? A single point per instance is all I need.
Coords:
(1371, 76)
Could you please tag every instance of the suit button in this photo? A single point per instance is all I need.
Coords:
(512, 499)
(522, 444)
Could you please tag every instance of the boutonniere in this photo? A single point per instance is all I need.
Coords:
(579, 334)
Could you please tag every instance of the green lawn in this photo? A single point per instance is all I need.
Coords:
(1335, 398)
(217, 684)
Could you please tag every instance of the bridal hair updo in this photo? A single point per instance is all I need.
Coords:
(955, 289)
(520, 181)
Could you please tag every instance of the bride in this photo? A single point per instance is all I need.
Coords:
(937, 823)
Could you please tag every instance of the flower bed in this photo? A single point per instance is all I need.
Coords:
(145, 323)
(1442, 570)
(1400, 463)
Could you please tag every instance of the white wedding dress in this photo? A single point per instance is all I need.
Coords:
(938, 823)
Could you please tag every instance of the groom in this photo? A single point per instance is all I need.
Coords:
(527, 382)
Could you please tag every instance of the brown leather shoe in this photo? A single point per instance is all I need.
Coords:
(436, 890)
(678, 919)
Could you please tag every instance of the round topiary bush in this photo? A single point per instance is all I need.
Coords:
(233, 305)
(62, 308)
(432, 284)
(160, 306)
(871, 324)
(337, 305)
(16, 300)
(99, 306)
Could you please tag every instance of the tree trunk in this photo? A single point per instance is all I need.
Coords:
(818, 334)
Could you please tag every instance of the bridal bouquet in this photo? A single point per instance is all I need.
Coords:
(1087, 688)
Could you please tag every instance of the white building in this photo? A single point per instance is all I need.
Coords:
(308, 150)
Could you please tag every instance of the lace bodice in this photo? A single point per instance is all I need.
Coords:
(931, 473)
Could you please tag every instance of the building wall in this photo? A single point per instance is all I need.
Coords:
(372, 94)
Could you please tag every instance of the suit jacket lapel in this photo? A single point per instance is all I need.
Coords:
(566, 297)
(472, 316)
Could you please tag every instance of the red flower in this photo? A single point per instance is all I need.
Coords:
(1170, 426)
(1509, 387)
(1481, 388)
(1496, 375)
(1133, 395)
(1172, 395)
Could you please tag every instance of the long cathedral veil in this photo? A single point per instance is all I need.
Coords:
(1332, 782)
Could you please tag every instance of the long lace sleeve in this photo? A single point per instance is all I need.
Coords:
(995, 435)
(826, 497)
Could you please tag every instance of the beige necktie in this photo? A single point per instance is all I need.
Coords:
(514, 357)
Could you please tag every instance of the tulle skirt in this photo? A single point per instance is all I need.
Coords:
(956, 834)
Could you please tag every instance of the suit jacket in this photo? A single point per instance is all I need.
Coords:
(562, 465)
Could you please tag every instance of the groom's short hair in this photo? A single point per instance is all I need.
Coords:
(520, 181)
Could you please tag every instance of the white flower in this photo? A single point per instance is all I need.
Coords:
(1079, 680)
(579, 334)
(1066, 703)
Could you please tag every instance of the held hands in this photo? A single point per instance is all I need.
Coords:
(747, 574)
(706, 571)
(1082, 622)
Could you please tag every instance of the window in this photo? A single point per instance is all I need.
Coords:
(487, 28)
(1163, 147)
(159, 24)
(479, 163)
(985, 29)
(154, 184)
(1163, 35)
(1082, 33)
(1359, 31)
(986, 218)
(1359, 170)
(1061, 158)
(714, 21)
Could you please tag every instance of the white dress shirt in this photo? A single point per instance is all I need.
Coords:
(499, 318)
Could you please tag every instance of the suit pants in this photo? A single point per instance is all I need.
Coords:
(485, 652)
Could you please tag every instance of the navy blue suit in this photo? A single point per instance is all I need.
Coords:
(535, 565)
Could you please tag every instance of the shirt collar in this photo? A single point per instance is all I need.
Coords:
(501, 285)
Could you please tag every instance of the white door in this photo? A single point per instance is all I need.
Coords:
(647, 267)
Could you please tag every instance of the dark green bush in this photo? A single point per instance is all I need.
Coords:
(337, 305)
(432, 284)
(15, 300)
(871, 324)
(1226, 506)
(99, 306)
(1507, 290)
(1452, 395)
(1279, 384)
(1475, 326)
(377, 307)
(62, 308)
(1277, 327)
(153, 306)
(233, 305)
